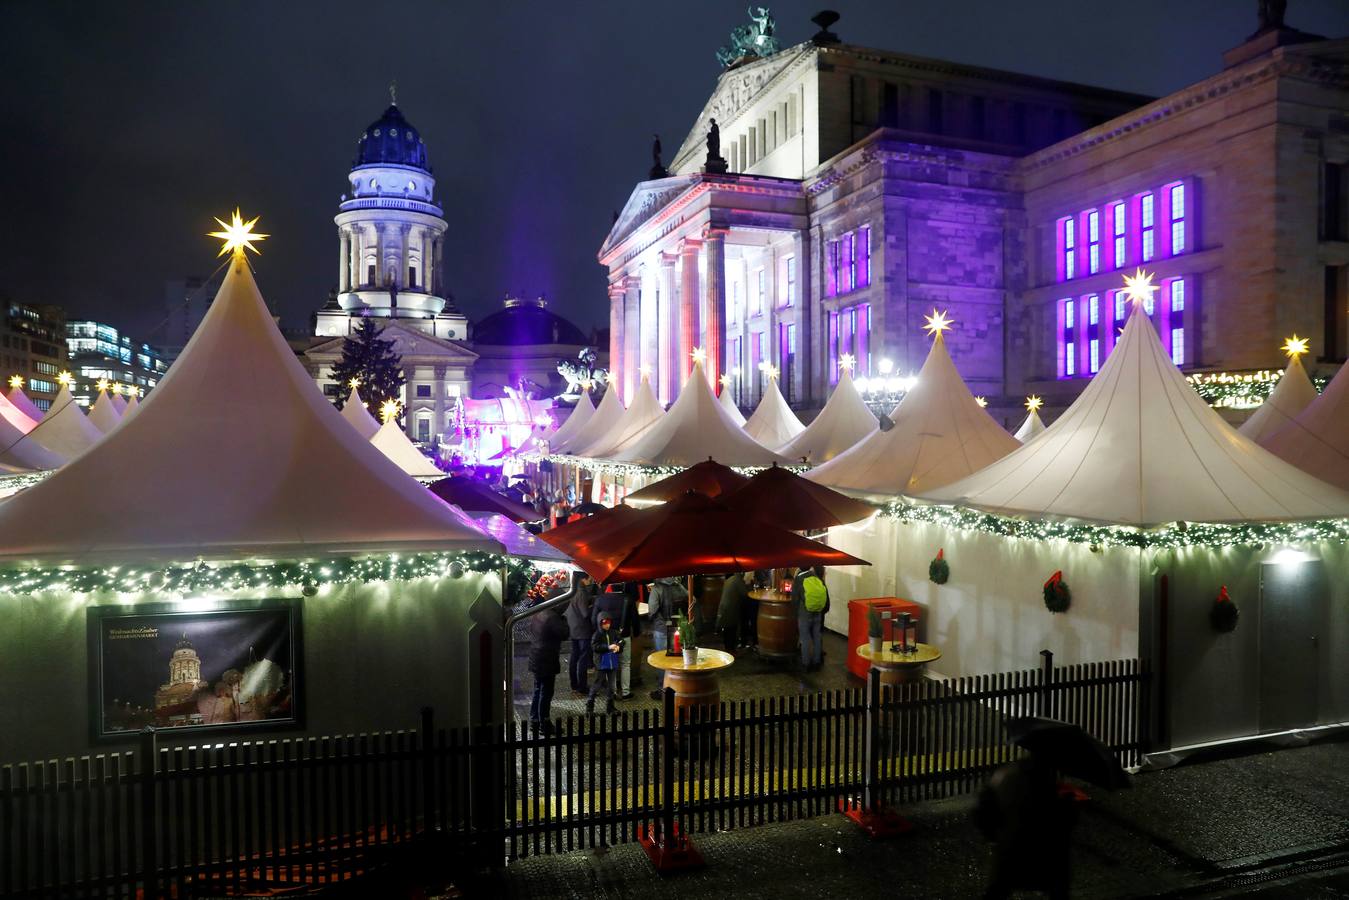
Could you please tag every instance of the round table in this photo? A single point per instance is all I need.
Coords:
(778, 637)
(694, 685)
(899, 668)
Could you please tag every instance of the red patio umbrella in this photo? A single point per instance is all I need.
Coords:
(574, 537)
(709, 478)
(697, 535)
(471, 495)
(786, 499)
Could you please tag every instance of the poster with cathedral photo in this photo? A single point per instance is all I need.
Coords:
(232, 666)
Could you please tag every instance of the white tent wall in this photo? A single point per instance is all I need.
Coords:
(428, 653)
(990, 616)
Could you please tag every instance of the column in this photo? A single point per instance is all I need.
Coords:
(811, 353)
(714, 304)
(438, 396)
(405, 234)
(379, 255)
(616, 320)
(409, 397)
(344, 261)
(650, 324)
(355, 258)
(433, 278)
(689, 306)
(632, 337)
(667, 363)
(426, 261)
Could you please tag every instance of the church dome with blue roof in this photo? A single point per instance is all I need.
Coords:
(391, 140)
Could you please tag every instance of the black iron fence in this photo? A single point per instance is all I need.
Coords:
(185, 821)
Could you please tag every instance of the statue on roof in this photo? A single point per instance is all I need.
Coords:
(1272, 13)
(714, 162)
(658, 169)
(752, 41)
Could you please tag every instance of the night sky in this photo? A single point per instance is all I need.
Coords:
(128, 125)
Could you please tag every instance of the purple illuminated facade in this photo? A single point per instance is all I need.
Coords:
(866, 188)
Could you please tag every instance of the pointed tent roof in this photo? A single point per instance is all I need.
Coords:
(1294, 393)
(66, 430)
(235, 453)
(843, 422)
(356, 414)
(118, 403)
(773, 423)
(1317, 440)
(644, 411)
(18, 398)
(19, 451)
(697, 427)
(104, 413)
(1032, 426)
(728, 404)
(15, 416)
(131, 406)
(397, 446)
(1140, 447)
(576, 419)
(940, 434)
(603, 422)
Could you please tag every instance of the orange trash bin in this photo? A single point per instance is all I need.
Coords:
(857, 625)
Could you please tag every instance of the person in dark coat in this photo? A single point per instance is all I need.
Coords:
(1032, 827)
(734, 595)
(608, 648)
(619, 603)
(550, 630)
(581, 625)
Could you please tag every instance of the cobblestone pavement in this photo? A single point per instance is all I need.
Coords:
(1270, 824)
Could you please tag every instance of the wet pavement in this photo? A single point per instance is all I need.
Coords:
(1266, 824)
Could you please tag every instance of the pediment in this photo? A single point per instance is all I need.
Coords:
(407, 342)
(647, 199)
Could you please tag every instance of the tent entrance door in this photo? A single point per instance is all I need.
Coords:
(1292, 620)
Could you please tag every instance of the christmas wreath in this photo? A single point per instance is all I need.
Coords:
(1224, 613)
(939, 570)
(1057, 596)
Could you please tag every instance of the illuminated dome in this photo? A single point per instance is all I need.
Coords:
(525, 322)
(391, 140)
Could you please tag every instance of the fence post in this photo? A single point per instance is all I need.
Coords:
(149, 815)
(1046, 680)
(430, 820)
(870, 750)
(667, 764)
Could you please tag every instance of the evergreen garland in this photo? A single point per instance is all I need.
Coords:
(1223, 614)
(1057, 596)
(369, 359)
(939, 570)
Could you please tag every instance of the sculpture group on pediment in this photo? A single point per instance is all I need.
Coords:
(754, 40)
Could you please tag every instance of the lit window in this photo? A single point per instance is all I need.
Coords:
(1093, 333)
(849, 263)
(833, 348)
(1067, 248)
(786, 358)
(831, 269)
(1177, 192)
(1147, 217)
(1067, 340)
(1117, 233)
(864, 255)
(791, 281)
(756, 356)
(1093, 242)
(1176, 320)
(760, 286)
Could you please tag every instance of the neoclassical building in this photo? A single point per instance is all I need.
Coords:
(855, 189)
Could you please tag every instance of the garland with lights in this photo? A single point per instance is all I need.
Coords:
(1223, 614)
(1179, 534)
(606, 467)
(308, 575)
(1240, 390)
(1057, 596)
(939, 570)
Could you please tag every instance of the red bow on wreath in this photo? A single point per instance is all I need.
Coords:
(1056, 578)
(1222, 595)
(940, 552)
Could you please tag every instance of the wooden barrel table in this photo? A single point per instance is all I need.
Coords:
(778, 637)
(695, 685)
(899, 668)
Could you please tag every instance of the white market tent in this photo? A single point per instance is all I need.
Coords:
(104, 413)
(940, 434)
(728, 404)
(15, 416)
(576, 419)
(18, 451)
(20, 400)
(358, 416)
(1032, 426)
(604, 420)
(65, 430)
(1294, 393)
(696, 427)
(118, 403)
(1139, 447)
(644, 411)
(1317, 440)
(843, 422)
(773, 423)
(236, 453)
(132, 405)
(394, 443)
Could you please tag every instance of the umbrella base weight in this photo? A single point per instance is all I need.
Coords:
(673, 854)
(880, 822)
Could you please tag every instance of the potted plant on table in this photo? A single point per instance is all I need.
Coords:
(688, 642)
(875, 630)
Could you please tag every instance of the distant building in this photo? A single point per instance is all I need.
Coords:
(186, 301)
(519, 347)
(99, 351)
(32, 346)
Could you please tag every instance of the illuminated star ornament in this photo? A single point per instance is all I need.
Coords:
(937, 323)
(353, 383)
(1295, 346)
(846, 362)
(644, 371)
(769, 370)
(238, 235)
(1033, 403)
(16, 381)
(102, 384)
(1139, 288)
(699, 356)
(117, 390)
(65, 378)
(388, 410)
(725, 380)
(982, 401)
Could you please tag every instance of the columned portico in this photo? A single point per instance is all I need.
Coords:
(617, 293)
(690, 280)
(669, 343)
(714, 303)
(632, 337)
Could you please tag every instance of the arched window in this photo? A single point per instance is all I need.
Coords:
(370, 269)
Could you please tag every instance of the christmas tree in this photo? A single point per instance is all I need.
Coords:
(370, 360)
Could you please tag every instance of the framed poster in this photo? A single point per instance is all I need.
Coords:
(197, 666)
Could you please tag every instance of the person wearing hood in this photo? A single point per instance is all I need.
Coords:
(550, 630)
(734, 596)
(581, 625)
